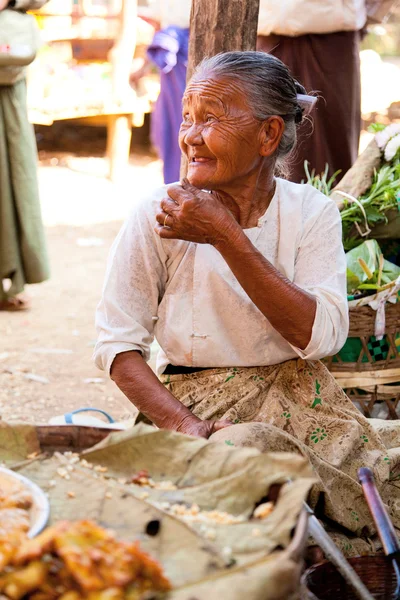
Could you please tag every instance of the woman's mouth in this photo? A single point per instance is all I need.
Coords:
(199, 160)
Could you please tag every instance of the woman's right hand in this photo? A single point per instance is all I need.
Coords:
(142, 387)
(203, 429)
(4, 4)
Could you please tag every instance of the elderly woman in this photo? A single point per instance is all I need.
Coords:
(240, 276)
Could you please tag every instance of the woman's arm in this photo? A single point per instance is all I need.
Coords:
(135, 76)
(310, 312)
(288, 308)
(134, 284)
(141, 386)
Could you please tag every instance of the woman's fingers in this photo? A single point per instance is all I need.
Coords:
(165, 219)
(179, 194)
(204, 428)
(165, 232)
(168, 205)
(189, 187)
(218, 425)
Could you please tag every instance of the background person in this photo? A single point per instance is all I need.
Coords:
(320, 43)
(169, 53)
(23, 255)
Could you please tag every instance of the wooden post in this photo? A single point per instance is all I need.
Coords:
(119, 131)
(119, 135)
(220, 26)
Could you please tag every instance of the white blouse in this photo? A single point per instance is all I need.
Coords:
(186, 296)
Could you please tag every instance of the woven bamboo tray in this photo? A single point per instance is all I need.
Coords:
(325, 582)
(77, 438)
(72, 438)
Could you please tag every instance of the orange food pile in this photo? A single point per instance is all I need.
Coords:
(73, 561)
(15, 503)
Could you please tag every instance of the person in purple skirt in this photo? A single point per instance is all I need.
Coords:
(169, 52)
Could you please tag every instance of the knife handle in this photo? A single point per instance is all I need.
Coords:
(379, 513)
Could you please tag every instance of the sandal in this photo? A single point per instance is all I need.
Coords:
(69, 416)
(73, 418)
(15, 304)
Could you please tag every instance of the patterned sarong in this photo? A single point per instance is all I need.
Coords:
(298, 407)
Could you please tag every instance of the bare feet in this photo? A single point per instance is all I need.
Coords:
(15, 304)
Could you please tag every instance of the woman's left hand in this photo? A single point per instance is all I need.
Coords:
(4, 4)
(203, 429)
(196, 216)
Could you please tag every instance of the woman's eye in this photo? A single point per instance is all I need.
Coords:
(210, 119)
(186, 118)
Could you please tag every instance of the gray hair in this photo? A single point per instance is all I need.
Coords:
(269, 87)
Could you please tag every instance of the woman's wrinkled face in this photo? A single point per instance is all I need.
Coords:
(219, 135)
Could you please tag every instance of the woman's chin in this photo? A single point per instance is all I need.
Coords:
(197, 178)
(194, 179)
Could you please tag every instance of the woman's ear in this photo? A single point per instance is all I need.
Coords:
(271, 135)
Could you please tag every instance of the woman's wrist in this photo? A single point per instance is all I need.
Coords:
(142, 387)
(186, 422)
(230, 238)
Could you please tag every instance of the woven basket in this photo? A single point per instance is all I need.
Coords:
(63, 438)
(377, 573)
(370, 378)
(362, 328)
(70, 438)
(376, 401)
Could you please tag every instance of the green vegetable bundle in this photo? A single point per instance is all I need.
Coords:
(360, 217)
(368, 270)
(369, 194)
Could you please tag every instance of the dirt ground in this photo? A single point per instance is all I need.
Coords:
(45, 353)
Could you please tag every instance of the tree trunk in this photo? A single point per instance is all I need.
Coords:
(220, 26)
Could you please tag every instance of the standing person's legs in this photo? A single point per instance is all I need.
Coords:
(329, 65)
(23, 255)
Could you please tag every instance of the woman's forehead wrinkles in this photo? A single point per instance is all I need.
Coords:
(209, 99)
(221, 90)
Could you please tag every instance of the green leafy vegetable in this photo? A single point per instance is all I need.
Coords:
(321, 182)
(375, 127)
(378, 200)
(366, 270)
(360, 215)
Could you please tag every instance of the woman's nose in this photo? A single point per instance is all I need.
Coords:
(193, 135)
